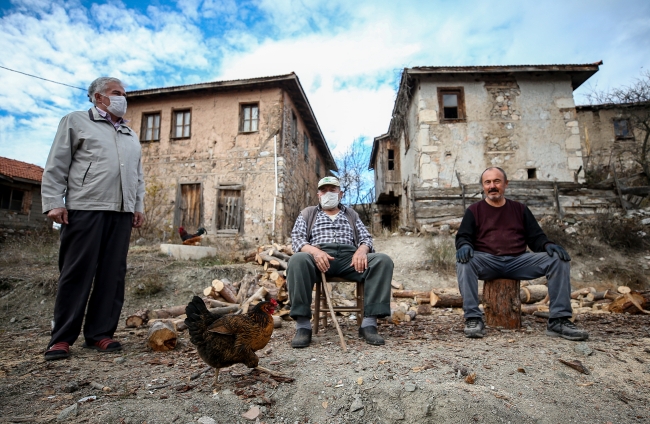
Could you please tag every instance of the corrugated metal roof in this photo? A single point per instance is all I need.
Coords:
(16, 169)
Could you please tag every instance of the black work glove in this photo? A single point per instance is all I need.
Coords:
(464, 253)
(561, 253)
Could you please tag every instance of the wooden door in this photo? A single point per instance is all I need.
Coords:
(229, 209)
(190, 206)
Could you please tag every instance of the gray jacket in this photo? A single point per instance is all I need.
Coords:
(93, 167)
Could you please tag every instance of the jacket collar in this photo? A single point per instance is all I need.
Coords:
(94, 115)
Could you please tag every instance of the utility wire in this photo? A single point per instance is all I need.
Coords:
(44, 79)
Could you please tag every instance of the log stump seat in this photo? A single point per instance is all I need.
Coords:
(502, 304)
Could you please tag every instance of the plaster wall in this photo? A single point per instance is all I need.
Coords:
(517, 124)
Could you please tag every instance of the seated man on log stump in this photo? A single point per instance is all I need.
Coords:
(331, 238)
(491, 243)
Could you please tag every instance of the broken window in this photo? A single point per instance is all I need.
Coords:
(11, 198)
(294, 128)
(452, 104)
(306, 147)
(391, 159)
(249, 118)
(150, 127)
(181, 124)
(229, 209)
(622, 129)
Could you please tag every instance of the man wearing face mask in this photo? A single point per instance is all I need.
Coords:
(331, 238)
(491, 243)
(93, 186)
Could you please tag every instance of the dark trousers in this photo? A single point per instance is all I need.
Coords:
(302, 274)
(94, 246)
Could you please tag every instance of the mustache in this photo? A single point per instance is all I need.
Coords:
(494, 190)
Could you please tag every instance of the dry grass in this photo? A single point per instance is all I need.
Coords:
(442, 254)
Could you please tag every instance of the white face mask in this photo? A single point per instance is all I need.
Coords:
(329, 200)
(117, 106)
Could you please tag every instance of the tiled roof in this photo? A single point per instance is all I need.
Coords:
(17, 169)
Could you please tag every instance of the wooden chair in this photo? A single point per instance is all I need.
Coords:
(502, 304)
(322, 308)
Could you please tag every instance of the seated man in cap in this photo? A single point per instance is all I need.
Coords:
(331, 238)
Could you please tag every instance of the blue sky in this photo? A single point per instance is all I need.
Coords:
(347, 54)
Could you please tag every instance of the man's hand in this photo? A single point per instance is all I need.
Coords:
(464, 253)
(360, 258)
(322, 259)
(58, 215)
(138, 219)
(561, 253)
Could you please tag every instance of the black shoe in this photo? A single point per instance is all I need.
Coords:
(301, 339)
(474, 328)
(369, 334)
(562, 327)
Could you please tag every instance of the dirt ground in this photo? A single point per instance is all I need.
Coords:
(419, 376)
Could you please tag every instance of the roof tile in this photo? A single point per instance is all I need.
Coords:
(17, 169)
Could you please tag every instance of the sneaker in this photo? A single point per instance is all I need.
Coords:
(369, 334)
(59, 350)
(104, 345)
(301, 339)
(562, 327)
(474, 328)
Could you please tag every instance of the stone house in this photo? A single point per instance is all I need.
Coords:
(240, 158)
(20, 195)
(450, 123)
(609, 136)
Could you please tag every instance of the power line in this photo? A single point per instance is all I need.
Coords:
(44, 79)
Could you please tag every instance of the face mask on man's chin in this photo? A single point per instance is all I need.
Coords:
(329, 200)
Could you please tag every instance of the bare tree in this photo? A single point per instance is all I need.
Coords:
(356, 181)
(634, 99)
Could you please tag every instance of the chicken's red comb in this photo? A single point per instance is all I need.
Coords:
(274, 302)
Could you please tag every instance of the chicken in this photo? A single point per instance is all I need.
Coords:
(191, 239)
(224, 340)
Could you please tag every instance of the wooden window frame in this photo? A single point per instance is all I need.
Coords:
(173, 123)
(12, 190)
(235, 187)
(143, 127)
(460, 92)
(630, 133)
(390, 161)
(243, 106)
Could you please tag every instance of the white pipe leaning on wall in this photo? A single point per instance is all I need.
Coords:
(275, 198)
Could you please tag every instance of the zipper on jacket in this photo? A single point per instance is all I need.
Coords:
(86, 173)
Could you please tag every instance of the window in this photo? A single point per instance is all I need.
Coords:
(11, 199)
(249, 118)
(294, 128)
(391, 159)
(181, 125)
(452, 104)
(622, 129)
(229, 209)
(306, 147)
(318, 167)
(150, 127)
(532, 173)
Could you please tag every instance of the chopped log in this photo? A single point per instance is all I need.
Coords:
(287, 249)
(632, 303)
(224, 310)
(209, 292)
(530, 309)
(502, 304)
(171, 312)
(623, 289)
(258, 259)
(211, 303)
(177, 323)
(607, 294)
(162, 336)
(533, 293)
(397, 286)
(243, 290)
(260, 294)
(410, 293)
(274, 276)
(580, 292)
(270, 288)
(224, 291)
(278, 254)
(137, 319)
(273, 261)
(449, 299)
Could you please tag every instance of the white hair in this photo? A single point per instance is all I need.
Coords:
(99, 86)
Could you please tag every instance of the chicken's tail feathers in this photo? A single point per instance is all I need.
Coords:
(198, 319)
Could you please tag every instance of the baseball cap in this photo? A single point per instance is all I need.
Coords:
(329, 181)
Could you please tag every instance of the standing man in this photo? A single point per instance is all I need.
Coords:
(93, 185)
(331, 238)
(491, 243)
